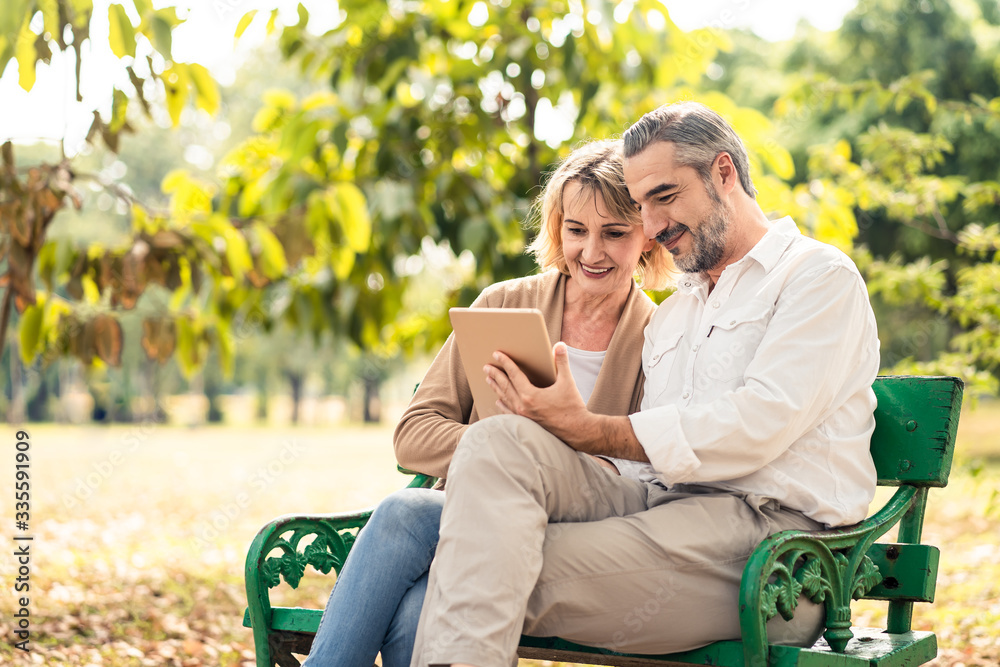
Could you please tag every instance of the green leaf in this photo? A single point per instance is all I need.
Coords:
(12, 15)
(31, 332)
(50, 15)
(342, 261)
(143, 7)
(176, 85)
(6, 52)
(121, 35)
(237, 254)
(55, 310)
(272, 254)
(24, 51)
(91, 294)
(225, 347)
(245, 22)
(206, 90)
(79, 12)
(354, 218)
(187, 347)
(160, 32)
(119, 105)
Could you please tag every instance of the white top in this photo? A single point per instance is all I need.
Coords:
(764, 385)
(585, 365)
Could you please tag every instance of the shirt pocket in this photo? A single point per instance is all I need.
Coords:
(732, 345)
(661, 359)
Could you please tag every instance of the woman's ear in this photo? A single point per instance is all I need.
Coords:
(650, 244)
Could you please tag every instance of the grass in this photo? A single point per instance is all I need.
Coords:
(140, 534)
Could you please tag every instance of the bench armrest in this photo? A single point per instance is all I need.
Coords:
(831, 566)
(333, 536)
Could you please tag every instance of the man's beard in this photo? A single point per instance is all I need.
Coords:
(708, 241)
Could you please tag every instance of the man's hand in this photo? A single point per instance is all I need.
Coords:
(558, 408)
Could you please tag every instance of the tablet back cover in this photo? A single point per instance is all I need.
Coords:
(519, 333)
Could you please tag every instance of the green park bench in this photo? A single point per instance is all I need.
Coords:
(915, 426)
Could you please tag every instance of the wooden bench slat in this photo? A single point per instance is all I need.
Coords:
(292, 619)
(909, 572)
(871, 647)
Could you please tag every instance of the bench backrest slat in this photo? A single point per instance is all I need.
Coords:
(909, 572)
(916, 422)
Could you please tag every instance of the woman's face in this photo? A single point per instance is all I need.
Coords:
(601, 252)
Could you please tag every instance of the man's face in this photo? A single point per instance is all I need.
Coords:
(683, 213)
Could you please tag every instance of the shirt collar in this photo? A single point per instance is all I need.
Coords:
(776, 240)
(766, 252)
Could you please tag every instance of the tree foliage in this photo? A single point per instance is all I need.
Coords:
(913, 92)
(424, 139)
(447, 116)
(68, 296)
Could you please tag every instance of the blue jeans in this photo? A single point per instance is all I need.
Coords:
(376, 602)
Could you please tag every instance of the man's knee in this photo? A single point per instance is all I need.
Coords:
(497, 441)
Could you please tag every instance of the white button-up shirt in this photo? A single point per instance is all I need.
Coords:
(763, 386)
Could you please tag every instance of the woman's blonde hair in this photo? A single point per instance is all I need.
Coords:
(598, 167)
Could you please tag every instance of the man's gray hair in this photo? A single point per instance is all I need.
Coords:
(698, 134)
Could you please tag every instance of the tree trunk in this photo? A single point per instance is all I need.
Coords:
(15, 410)
(37, 407)
(213, 389)
(296, 381)
(262, 395)
(372, 400)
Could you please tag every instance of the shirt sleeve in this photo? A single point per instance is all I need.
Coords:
(632, 469)
(819, 348)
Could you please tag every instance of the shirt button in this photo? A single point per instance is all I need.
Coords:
(655, 358)
(715, 304)
(732, 322)
(685, 394)
(695, 348)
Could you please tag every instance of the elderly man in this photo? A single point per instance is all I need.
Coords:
(756, 418)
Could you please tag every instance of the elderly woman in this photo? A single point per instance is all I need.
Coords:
(591, 249)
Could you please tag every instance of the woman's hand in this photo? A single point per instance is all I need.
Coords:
(558, 408)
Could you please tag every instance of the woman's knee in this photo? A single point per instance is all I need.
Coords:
(408, 512)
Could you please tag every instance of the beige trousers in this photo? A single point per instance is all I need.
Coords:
(540, 539)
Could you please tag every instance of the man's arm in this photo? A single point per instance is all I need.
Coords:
(560, 409)
(819, 350)
(810, 359)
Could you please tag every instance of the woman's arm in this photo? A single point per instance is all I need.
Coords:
(437, 416)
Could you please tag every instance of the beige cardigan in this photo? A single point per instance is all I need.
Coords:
(442, 406)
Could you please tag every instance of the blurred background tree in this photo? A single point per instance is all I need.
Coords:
(357, 180)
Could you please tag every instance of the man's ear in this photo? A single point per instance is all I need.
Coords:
(724, 169)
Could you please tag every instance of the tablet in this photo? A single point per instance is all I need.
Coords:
(519, 333)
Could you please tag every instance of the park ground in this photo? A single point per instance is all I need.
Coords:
(140, 533)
